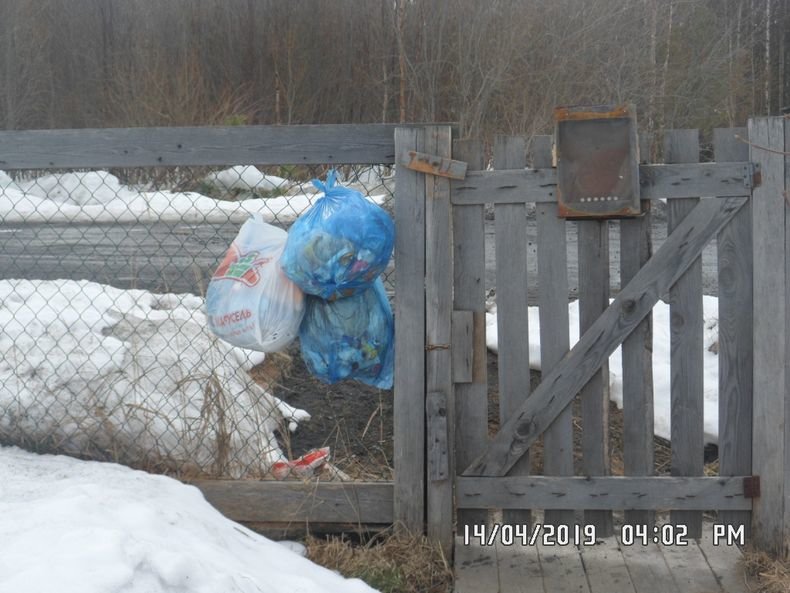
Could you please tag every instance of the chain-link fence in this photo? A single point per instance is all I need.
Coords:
(104, 348)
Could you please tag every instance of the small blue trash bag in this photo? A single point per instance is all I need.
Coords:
(339, 246)
(250, 303)
(350, 338)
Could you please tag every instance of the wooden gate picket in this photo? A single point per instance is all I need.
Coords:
(685, 310)
(735, 332)
(554, 338)
(510, 220)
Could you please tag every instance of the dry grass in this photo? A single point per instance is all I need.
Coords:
(393, 561)
(771, 575)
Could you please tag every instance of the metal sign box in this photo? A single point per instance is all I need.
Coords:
(597, 161)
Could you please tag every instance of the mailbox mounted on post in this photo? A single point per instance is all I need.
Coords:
(597, 161)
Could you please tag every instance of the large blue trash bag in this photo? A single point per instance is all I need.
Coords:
(341, 245)
(350, 338)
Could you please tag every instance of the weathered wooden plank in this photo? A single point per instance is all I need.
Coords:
(609, 493)
(605, 567)
(689, 568)
(216, 145)
(319, 502)
(724, 562)
(438, 325)
(463, 344)
(648, 569)
(554, 340)
(637, 356)
(471, 410)
(563, 571)
(685, 307)
(656, 181)
(786, 486)
(432, 164)
(735, 331)
(475, 568)
(519, 569)
(593, 248)
(769, 344)
(436, 427)
(729, 145)
(623, 315)
(511, 241)
(409, 387)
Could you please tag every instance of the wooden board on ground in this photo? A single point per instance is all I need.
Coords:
(475, 568)
(648, 569)
(605, 567)
(519, 569)
(563, 571)
(690, 568)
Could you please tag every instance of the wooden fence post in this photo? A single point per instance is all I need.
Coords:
(409, 393)
(438, 333)
(770, 438)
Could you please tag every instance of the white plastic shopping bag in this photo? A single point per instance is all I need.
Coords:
(250, 302)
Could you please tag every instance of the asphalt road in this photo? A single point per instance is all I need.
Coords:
(160, 257)
(166, 257)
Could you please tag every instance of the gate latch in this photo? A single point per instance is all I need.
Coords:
(433, 165)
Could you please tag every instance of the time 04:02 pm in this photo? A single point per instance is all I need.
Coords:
(665, 535)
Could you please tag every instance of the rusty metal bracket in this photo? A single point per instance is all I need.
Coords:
(752, 177)
(751, 487)
(430, 347)
(432, 165)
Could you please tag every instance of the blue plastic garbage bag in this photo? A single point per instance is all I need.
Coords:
(350, 338)
(341, 245)
(250, 303)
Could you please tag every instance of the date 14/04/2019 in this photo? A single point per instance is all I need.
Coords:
(585, 535)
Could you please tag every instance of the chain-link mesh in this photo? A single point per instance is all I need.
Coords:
(104, 349)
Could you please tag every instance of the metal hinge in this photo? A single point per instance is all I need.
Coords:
(752, 176)
(433, 165)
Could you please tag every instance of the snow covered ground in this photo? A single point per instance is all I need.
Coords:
(98, 196)
(74, 526)
(661, 358)
(132, 376)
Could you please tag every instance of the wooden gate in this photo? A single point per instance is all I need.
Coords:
(441, 386)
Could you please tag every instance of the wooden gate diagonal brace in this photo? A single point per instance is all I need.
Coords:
(633, 304)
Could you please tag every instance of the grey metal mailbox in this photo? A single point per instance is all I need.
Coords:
(597, 161)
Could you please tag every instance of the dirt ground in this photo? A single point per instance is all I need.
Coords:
(353, 419)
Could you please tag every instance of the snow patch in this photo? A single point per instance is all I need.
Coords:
(87, 527)
(131, 376)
